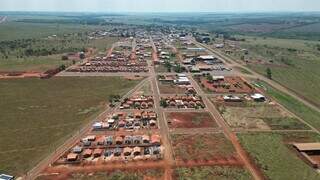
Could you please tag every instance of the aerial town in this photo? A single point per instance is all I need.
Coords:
(159, 97)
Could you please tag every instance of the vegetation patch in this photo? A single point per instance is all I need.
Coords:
(274, 158)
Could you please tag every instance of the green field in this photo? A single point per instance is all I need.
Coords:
(38, 64)
(276, 159)
(38, 115)
(212, 173)
(304, 112)
(294, 63)
(27, 47)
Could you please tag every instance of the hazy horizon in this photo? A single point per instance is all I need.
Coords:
(161, 6)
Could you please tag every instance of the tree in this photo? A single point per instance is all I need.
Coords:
(163, 103)
(269, 73)
(64, 58)
(82, 55)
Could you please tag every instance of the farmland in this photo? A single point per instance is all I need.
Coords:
(43, 113)
(275, 158)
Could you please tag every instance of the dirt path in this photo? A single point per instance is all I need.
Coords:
(274, 84)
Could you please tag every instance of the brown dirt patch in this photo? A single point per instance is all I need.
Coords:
(201, 147)
(190, 120)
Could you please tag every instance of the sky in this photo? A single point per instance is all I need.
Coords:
(160, 5)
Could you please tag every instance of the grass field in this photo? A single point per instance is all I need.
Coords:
(275, 158)
(294, 63)
(38, 115)
(20, 30)
(261, 116)
(212, 173)
(307, 114)
(33, 63)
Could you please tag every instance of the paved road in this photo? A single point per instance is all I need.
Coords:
(274, 84)
(164, 130)
(32, 174)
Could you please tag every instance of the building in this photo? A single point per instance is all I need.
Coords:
(258, 97)
(310, 151)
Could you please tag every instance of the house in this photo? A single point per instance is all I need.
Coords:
(128, 139)
(258, 97)
(119, 140)
(145, 139)
(136, 151)
(232, 98)
(137, 139)
(182, 81)
(155, 139)
(108, 140)
(77, 149)
(71, 157)
(204, 67)
(217, 78)
(87, 153)
(108, 153)
(97, 126)
(97, 153)
(127, 151)
(117, 152)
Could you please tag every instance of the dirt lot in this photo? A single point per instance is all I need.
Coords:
(212, 173)
(190, 120)
(149, 174)
(263, 116)
(171, 89)
(228, 85)
(201, 147)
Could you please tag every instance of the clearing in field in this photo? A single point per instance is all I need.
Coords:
(274, 154)
(44, 113)
(259, 116)
(190, 120)
(201, 147)
(212, 173)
